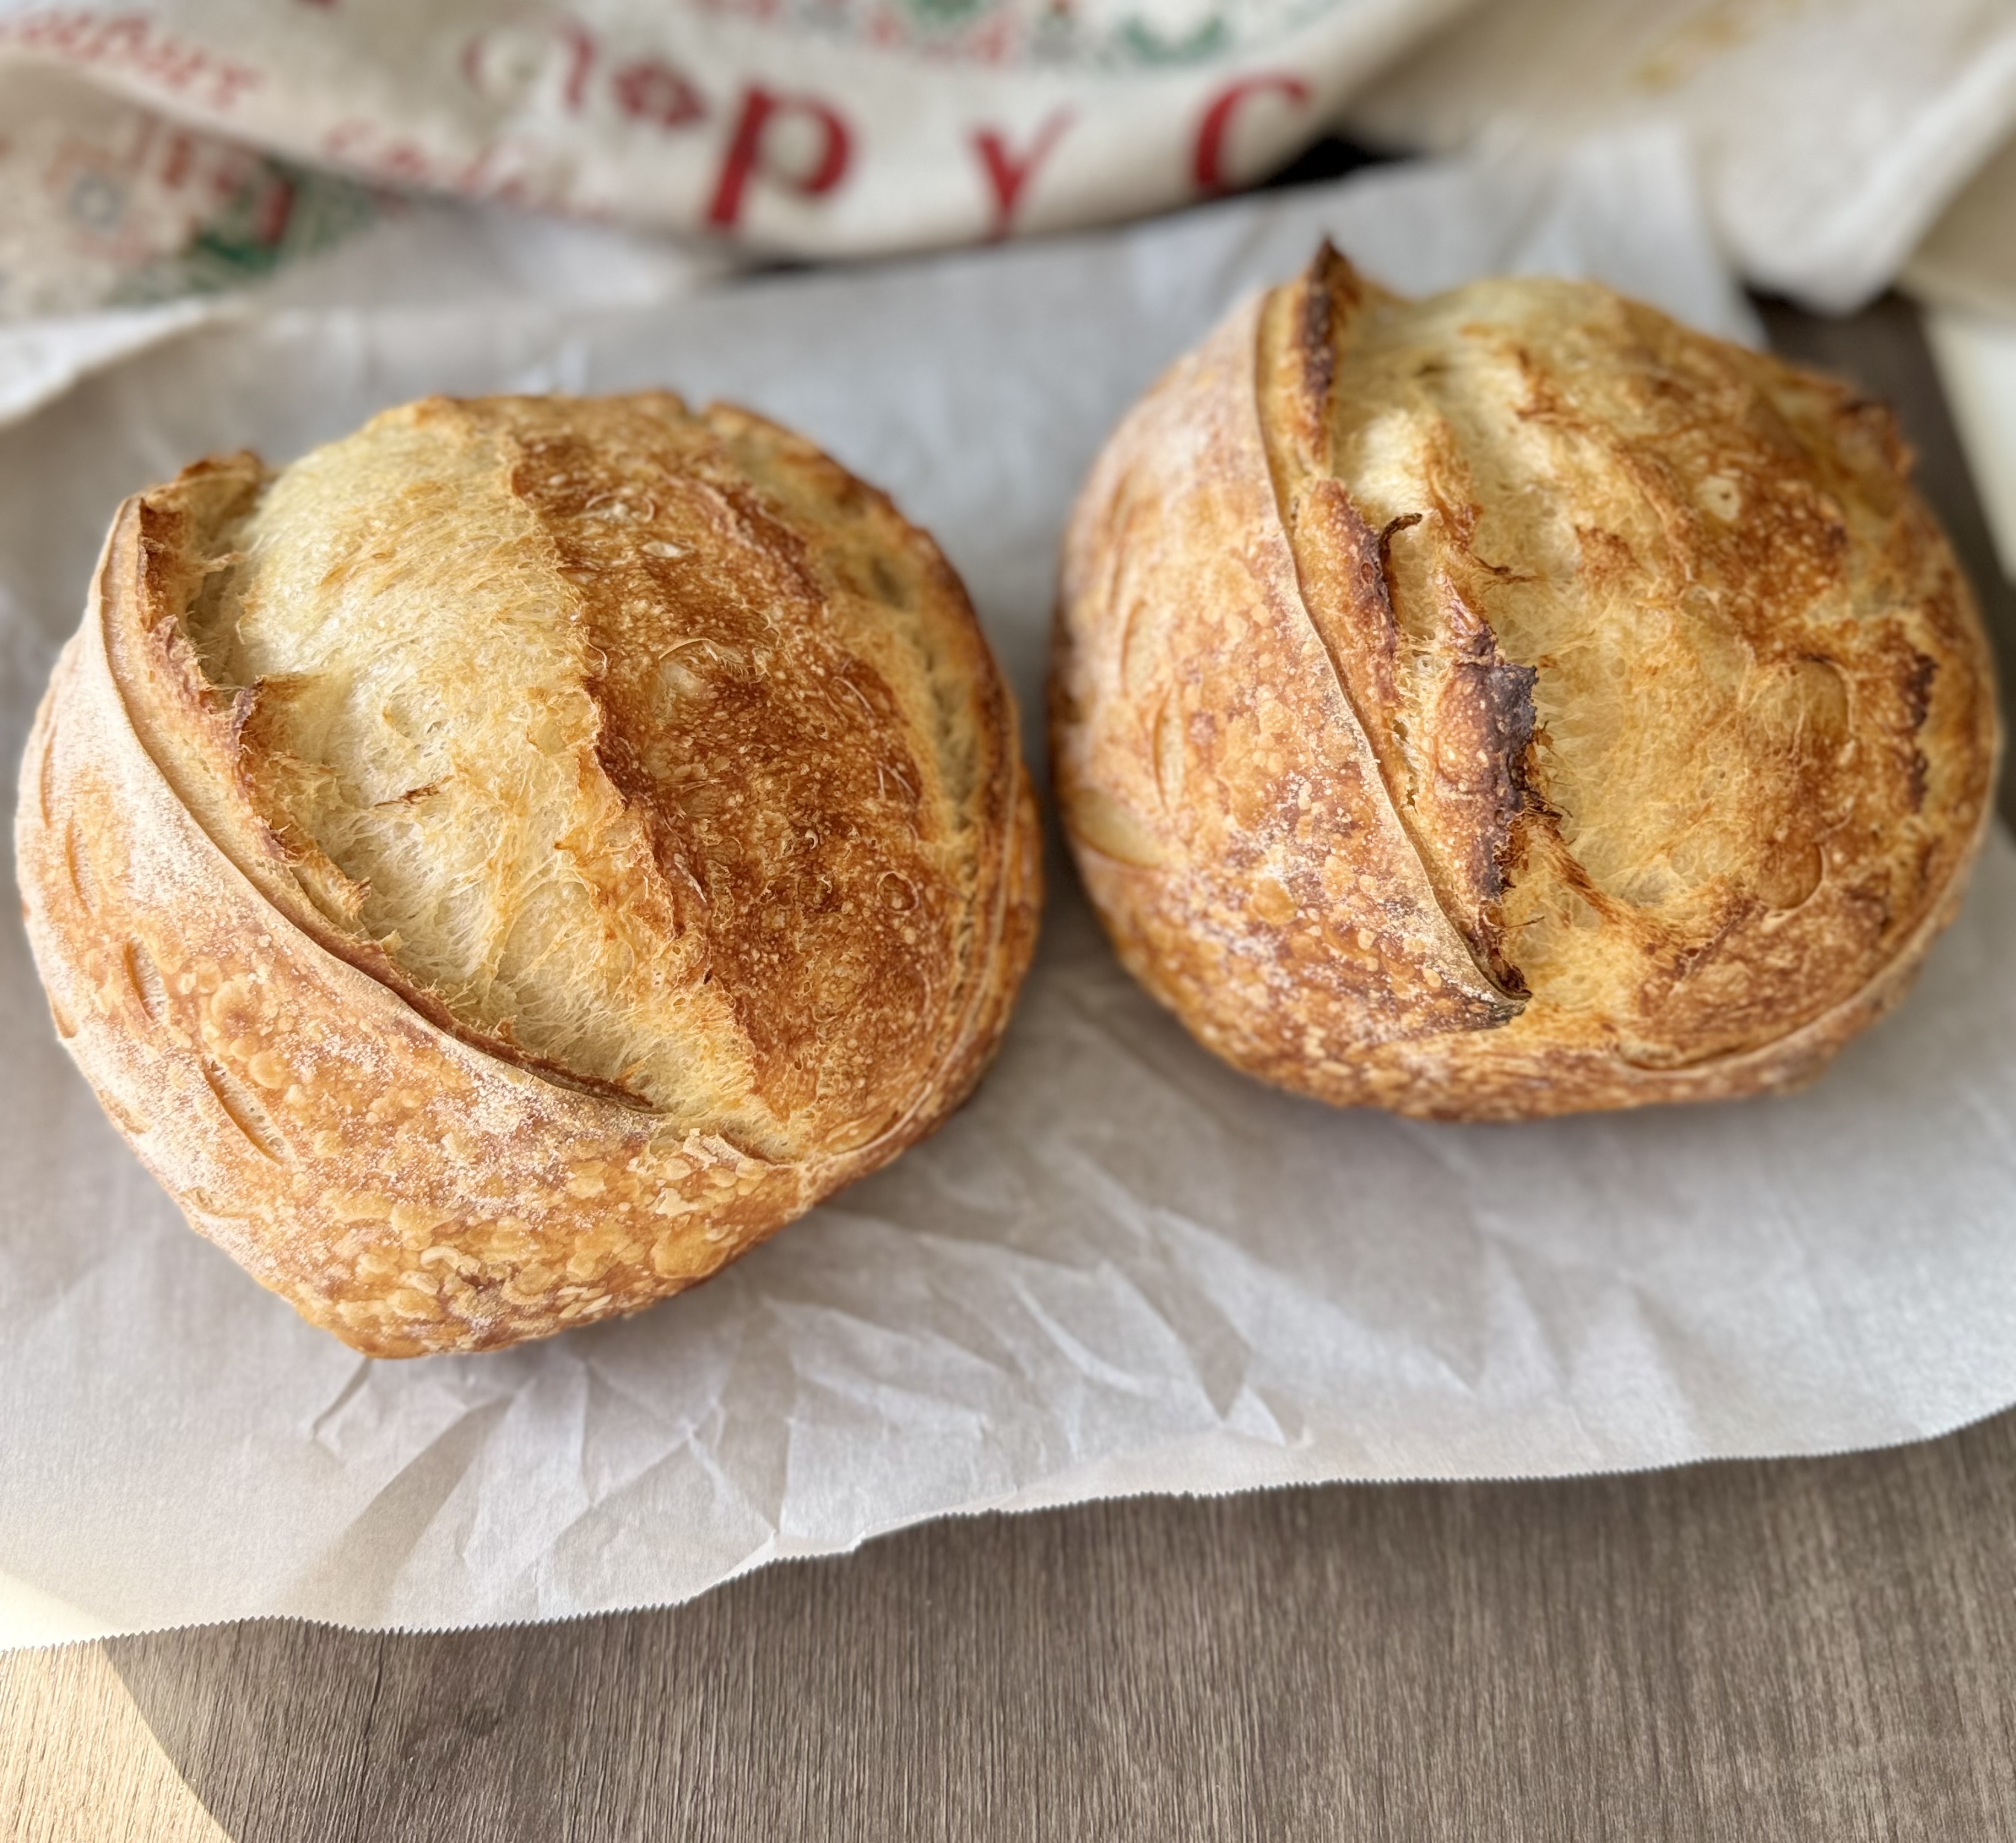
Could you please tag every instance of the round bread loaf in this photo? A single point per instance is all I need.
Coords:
(500, 868)
(1514, 703)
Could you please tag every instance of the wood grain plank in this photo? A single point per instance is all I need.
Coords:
(78, 1765)
(1818, 1648)
(290, 1707)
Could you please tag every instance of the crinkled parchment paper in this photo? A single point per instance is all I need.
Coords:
(1122, 1268)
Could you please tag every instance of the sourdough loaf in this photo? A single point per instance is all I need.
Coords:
(1513, 702)
(503, 866)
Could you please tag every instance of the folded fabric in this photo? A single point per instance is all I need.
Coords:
(810, 127)
(1826, 139)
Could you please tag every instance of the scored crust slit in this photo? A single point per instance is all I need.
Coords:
(505, 864)
(1514, 703)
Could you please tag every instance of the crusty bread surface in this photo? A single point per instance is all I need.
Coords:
(1512, 703)
(503, 866)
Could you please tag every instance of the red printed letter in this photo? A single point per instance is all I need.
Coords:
(743, 160)
(1210, 167)
(1006, 174)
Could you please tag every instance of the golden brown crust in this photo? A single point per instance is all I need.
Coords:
(1513, 703)
(401, 1168)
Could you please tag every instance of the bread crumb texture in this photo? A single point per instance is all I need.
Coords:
(1514, 703)
(510, 862)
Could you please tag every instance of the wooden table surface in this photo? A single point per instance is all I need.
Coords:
(1815, 1649)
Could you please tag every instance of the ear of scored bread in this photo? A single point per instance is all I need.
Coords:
(1206, 746)
(487, 1126)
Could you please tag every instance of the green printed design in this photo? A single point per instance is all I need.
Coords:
(949, 13)
(1079, 34)
(282, 214)
(1208, 41)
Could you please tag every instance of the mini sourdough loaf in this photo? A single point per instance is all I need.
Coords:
(1512, 703)
(504, 865)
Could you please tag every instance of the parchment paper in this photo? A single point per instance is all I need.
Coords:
(1122, 1268)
